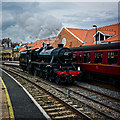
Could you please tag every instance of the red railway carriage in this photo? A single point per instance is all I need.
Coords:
(101, 59)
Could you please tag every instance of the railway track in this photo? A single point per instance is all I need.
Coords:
(100, 101)
(55, 107)
(117, 99)
(79, 103)
(104, 104)
(105, 86)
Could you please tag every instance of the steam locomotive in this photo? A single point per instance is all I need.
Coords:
(99, 62)
(54, 64)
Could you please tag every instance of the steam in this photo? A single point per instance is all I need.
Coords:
(31, 27)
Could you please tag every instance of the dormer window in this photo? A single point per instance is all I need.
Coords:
(106, 37)
(101, 36)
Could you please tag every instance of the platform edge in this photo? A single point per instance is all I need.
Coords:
(11, 113)
(35, 102)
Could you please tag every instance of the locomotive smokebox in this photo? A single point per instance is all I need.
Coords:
(60, 45)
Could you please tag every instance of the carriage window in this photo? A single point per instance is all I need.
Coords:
(80, 57)
(74, 57)
(98, 57)
(87, 57)
(112, 57)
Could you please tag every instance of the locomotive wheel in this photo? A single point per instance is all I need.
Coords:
(50, 78)
(71, 79)
(50, 75)
(35, 73)
(29, 71)
(23, 69)
(46, 75)
(40, 74)
(57, 79)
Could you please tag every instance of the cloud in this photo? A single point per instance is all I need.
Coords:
(21, 23)
(87, 14)
(8, 20)
(30, 27)
(36, 20)
(0, 25)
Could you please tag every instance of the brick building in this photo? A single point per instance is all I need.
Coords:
(72, 37)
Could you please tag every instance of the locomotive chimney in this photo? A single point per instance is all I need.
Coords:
(60, 45)
(48, 45)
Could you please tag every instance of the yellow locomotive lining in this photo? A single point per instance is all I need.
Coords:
(100, 64)
(11, 113)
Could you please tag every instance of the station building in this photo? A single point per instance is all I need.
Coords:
(73, 37)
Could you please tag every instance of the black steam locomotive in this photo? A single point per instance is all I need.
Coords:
(54, 64)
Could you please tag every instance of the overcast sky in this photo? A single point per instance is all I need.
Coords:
(30, 21)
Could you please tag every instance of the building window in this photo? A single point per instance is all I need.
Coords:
(70, 44)
(101, 36)
(98, 57)
(87, 57)
(64, 41)
(112, 57)
(106, 37)
(80, 57)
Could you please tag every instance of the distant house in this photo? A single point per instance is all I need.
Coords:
(17, 47)
(6, 43)
(72, 37)
(6, 49)
(38, 44)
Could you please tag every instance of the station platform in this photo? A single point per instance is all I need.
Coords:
(17, 103)
(4, 109)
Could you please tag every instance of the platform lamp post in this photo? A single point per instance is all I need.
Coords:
(49, 40)
(96, 32)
